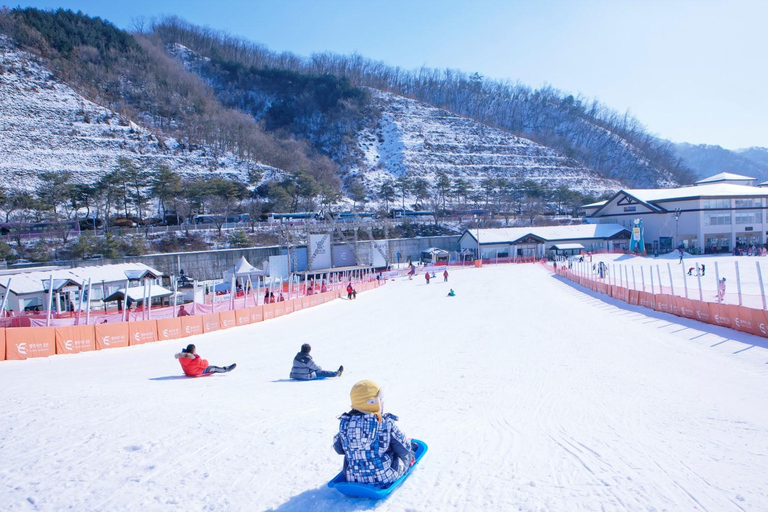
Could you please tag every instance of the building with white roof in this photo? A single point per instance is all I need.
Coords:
(716, 215)
(537, 241)
(29, 290)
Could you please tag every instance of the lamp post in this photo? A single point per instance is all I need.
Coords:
(677, 212)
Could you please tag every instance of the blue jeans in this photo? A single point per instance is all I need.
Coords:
(325, 373)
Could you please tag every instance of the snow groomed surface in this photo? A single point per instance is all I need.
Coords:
(357, 490)
(535, 394)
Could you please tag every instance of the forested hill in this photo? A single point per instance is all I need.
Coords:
(706, 160)
(200, 99)
(616, 145)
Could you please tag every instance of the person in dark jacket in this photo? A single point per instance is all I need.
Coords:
(305, 368)
(375, 450)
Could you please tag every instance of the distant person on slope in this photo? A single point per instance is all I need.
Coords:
(195, 366)
(451, 293)
(445, 276)
(721, 290)
(305, 368)
(427, 277)
(375, 450)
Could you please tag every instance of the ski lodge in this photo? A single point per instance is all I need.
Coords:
(715, 215)
(540, 241)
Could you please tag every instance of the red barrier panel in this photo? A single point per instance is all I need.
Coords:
(191, 325)
(646, 299)
(297, 304)
(760, 322)
(279, 308)
(269, 311)
(74, 339)
(111, 335)
(662, 303)
(744, 319)
(306, 302)
(633, 297)
(674, 305)
(721, 314)
(142, 332)
(168, 329)
(211, 322)
(26, 342)
(2, 344)
(701, 311)
(227, 319)
(243, 316)
(289, 307)
(687, 308)
(257, 314)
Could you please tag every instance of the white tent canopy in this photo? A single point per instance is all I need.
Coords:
(567, 247)
(243, 269)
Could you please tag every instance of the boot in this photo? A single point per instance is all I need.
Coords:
(340, 371)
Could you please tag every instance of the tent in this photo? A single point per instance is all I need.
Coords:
(243, 270)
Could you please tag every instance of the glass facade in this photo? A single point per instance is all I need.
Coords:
(717, 203)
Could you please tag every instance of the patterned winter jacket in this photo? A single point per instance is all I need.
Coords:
(374, 453)
(304, 368)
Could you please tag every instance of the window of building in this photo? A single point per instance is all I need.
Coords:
(717, 219)
(747, 217)
(717, 203)
(748, 203)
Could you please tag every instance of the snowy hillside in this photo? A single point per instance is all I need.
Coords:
(532, 394)
(706, 160)
(420, 140)
(47, 126)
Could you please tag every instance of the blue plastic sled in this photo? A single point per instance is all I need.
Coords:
(357, 490)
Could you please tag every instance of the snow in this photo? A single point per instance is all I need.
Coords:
(533, 394)
(47, 126)
(415, 139)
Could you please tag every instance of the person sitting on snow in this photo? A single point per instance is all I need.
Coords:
(195, 366)
(451, 293)
(305, 368)
(375, 450)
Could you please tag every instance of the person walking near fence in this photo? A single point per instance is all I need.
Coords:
(721, 290)
(426, 276)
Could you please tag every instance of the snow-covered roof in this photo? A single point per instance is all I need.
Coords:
(712, 190)
(24, 283)
(136, 293)
(567, 247)
(548, 233)
(595, 205)
(725, 176)
(436, 250)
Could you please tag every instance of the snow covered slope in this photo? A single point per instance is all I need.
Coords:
(47, 126)
(531, 394)
(421, 140)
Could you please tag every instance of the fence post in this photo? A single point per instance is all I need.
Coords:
(634, 283)
(738, 281)
(717, 283)
(626, 277)
(658, 273)
(642, 277)
(701, 293)
(650, 271)
(760, 278)
(671, 284)
(5, 297)
(50, 302)
(88, 304)
(613, 273)
(125, 300)
(149, 301)
(685, 281)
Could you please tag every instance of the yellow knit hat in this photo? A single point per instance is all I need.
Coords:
(365, 397)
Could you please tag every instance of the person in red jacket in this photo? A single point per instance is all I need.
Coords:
(195, 366)
(427, 276)
(350, 292)
(445, 276)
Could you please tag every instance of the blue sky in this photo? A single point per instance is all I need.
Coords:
(691, 70)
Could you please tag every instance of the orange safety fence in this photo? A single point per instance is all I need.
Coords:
(27, 342)
(112, 335)
(71, 340)
(742, 318)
